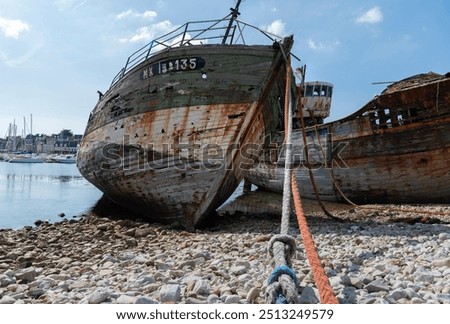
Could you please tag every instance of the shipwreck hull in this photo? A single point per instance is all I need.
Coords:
(172, 141)
(394, 150)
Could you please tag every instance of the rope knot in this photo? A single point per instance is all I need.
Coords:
(282, 284)
(289, 245)
(280, 289)
(280, 270)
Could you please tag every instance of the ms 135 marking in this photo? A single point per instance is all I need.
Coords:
(174, 65)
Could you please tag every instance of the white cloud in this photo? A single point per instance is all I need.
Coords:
(319, 46)
(276, 28)
(149, 14)
(371, 16)
(12, 28)
(313, 45)
(124, 14)
(146, 15)
(145, 34)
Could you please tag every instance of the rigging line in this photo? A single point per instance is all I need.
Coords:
(376, 208)
(330, 172)
(308, 165)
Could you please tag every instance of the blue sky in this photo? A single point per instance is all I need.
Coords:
(56, 54)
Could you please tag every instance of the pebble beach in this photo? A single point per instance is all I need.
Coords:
(376, 255)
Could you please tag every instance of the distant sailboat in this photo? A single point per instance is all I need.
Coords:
(26, 158)
(25, 154)
(65, 158)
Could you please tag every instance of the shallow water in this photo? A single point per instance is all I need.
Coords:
(42, 191)
(31, 191)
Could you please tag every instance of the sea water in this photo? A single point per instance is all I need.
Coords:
(42, 191)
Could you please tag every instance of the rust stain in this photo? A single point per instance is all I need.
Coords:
(154, 130)
(393, 150)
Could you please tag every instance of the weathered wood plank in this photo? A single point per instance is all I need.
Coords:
(401, 161)
(171, 146)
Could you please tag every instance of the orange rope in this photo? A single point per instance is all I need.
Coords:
(325, 291)
(286, 96)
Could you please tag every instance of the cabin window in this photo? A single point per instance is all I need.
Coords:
(316, 90)
(382, 117)
(329, 91)
(412, 113)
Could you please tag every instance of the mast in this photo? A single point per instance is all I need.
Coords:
(31, 133)
(14, 135)
(24, 136)
(234, 14)
(9, 143)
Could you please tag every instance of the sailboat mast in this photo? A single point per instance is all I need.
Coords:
(9, 143)
(14, 135)
(234, 14)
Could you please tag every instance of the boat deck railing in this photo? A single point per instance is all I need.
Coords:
(222, 31)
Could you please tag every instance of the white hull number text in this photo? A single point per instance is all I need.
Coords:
(176, 65)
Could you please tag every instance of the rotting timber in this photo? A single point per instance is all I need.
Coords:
(395, 149)
(173, 136)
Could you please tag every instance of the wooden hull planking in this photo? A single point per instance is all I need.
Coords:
(394, 150)
(174, 146)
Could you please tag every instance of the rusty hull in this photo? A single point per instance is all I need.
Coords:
(393, 150)
(170, 145)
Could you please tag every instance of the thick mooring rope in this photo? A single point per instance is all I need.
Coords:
(282, 283)
(323, 285)
(325, 291)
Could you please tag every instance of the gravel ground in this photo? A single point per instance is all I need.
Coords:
(378, 254)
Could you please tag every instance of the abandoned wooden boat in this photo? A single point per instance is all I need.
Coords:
(169, 138)
(395, 149)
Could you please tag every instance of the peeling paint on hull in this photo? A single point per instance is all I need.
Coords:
(174, 146)
(394, 150)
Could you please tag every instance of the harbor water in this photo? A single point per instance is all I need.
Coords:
(42, 191)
